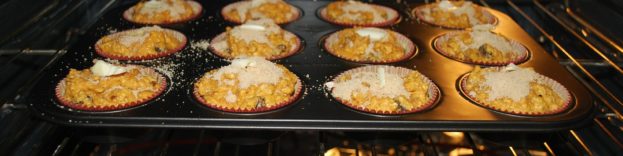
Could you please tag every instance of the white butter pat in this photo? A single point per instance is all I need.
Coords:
(510, 67)
(329, 85)
(375, 34)
(381, 75)
(103, 68)
(243, 62)
(446, 5)
(255, 27)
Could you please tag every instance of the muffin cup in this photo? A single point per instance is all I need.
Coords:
(221, 51)
(434, 92)
(408, 46)
(181, 37)
(418, 13)
(394, 16)
(522, 57)
(297, 93)
(295, 11)
(127, 15)
(59, 92)
(556, 87)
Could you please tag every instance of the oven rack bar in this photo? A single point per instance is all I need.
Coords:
(200, 142)
(577, 35)
(587, 43)
(586, 62)
(591, 28)
(27, 52)
(39, 26)
(581, 64)
(572, 59)
(436, 143)
(32, 21)
(571, 62)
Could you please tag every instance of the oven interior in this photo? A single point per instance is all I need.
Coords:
(581, 34)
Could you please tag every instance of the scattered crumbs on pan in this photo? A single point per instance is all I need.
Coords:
(200, 44)
(304, 94)
(167, 69)
(105, 30)
(111, 30)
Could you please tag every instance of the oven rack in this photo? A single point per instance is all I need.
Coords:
(610, 105)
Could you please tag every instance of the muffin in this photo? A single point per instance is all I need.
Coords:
(277, 10)
(140, 44)
(354, 13)
(369, 45)
(108, 87)
(515, 90)
(482, 47)
(163, 11)
(454, 14)
(248, 85)
(383, 89)
(261, 38)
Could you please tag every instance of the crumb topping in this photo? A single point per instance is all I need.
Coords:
(250, 71)
(512, 82)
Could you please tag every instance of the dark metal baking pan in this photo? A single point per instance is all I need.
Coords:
(315, 110)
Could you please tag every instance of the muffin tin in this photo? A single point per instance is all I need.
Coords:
(316, 109)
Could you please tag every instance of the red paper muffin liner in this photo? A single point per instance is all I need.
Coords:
(521, 58)
(292, 99)
(295, 11)
(410, 49)
(434, 92)
(181, 37)
(557, 87)
(394, 16)
(219, 51)
(59, 91)
(127, 15)
(418, 13)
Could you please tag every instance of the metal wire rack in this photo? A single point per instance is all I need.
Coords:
(589, 53)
